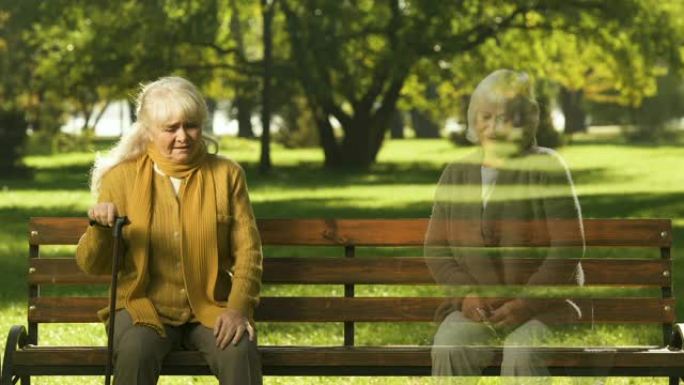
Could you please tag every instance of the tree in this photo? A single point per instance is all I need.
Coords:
(15, 64)
(68, 55)
(265, 160)
(571, 102)
(352, 58)
(245, 85)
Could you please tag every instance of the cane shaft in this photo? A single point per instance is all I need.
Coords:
(116, 260)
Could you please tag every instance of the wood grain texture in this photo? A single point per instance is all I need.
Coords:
(372, 309)
(386, 360)
(386, 270)
(391, 232)
(361, 360)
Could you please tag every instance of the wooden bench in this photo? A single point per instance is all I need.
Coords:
(366, 255)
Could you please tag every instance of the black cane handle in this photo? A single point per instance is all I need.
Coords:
(119, 223)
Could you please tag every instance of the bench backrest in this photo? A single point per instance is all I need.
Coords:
(350, 269)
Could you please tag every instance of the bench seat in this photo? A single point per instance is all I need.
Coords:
(361, 360)
(639, 258)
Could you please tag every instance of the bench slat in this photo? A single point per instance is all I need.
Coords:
(384, 232)
(382, 270)
(345, 360)
(367, 309)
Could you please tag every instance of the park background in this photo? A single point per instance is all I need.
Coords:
(364, 103)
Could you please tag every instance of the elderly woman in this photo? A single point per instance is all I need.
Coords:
(191, 274)
(507, 192)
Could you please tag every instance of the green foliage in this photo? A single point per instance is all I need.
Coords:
(356, 61)
(353, 56)
(611, 51)
(654, 119)
(298, 128)
(63, 142)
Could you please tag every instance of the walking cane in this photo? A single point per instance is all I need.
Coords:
(119, 223)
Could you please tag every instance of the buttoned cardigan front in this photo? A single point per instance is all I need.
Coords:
(237, 282)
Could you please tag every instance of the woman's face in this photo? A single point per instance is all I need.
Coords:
(176, 138)
(495, 128)
(491, 123)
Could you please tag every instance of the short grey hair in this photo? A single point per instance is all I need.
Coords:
(512, 90)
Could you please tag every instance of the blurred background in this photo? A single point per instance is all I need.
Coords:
(339, 109)
(345, 76)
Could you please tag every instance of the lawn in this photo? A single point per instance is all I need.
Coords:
(613, 181)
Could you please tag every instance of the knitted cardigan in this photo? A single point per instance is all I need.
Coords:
(534, 188)
(237, 282)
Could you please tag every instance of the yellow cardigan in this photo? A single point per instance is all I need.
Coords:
(239, 247)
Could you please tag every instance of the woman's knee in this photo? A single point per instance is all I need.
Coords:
(244, 349)
(135, 343)
(531, 333)
(456, 330)
(238, 364)
(141, 344)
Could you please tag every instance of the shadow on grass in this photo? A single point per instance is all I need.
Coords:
(336, 208)
(671, 138)
(69, 178)
(418, 173)
(75, 177)
(306, 174)
(635, 205)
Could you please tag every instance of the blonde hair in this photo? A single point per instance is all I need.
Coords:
(513, 90)
(156, 103)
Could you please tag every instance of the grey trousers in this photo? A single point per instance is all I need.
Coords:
(139, 352)
(452, 357)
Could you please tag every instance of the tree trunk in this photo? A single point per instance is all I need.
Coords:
(571, 102)
(100, 114)
(423, 126)
(363, 140)
(244, 117)
(131, 111)
(547, 136)
(211, 110)
(326, 134)
(265, 160)
(397, 125)
(87, 111)
(12, 136)
(357, 145)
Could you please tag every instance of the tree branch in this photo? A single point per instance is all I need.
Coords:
(220, 50)
(382, 71)
(317, 87)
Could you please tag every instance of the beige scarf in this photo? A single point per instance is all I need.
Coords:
(198, 221)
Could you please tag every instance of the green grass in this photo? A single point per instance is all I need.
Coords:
(619, 181)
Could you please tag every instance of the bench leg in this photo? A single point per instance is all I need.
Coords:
(25, 380)
(16, 339)
(674, 380)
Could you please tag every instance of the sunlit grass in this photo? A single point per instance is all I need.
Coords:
(612, 181)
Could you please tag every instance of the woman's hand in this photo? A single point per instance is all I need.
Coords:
(510, 314)
(103, 213)
(474, 308)
(229, 328)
